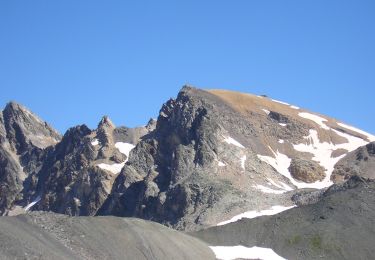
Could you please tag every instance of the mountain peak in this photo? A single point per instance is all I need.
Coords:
(106, 122)
(15, 106)
(25, 128)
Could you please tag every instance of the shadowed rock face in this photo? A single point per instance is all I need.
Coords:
(339, 226)
(51, 236)
(35, 162)
(23, 141)
(10, 182)
(71, 181)
(360, 162)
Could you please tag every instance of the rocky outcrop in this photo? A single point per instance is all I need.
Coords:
(306, 171)
(360, 162)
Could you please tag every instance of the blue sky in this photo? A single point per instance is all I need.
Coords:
(73, 61)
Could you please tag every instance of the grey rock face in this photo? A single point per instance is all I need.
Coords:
(51, 236)
(306, 171)
(10, 179)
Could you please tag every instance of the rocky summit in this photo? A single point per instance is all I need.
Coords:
(211, 158)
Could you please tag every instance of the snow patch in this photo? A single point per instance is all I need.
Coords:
(354, 129)
(236, 252)
(266, 111)
(32, 204)
(124, 148)
(230, 140)
(221, 164)
(268, 190)
(254, 214)
(294, 107)
(280, 162)
(114, 168)
(243, 161)
(322, 153)
(281, 102)
(282, 185)
(282, 124)
(317, 119)
(281, 141)
(95, 142)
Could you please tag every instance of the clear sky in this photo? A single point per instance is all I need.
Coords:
(73, 61)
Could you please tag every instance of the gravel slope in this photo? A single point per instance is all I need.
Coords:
(51, 236)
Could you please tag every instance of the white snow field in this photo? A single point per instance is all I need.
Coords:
(354, 129)
(95, 142)
(124, 148)
(230, 140)
(241, 252)
(243, 161)
(221, 164)
(116, 168)
(294, 107)
(317, 119)
(266, 111)
(32, 204)
(281, 102)
(254, 214)
(321, 151)
(265, 189)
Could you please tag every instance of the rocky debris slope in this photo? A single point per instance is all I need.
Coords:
(360, 162)
(340, 226)
(50, 236)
